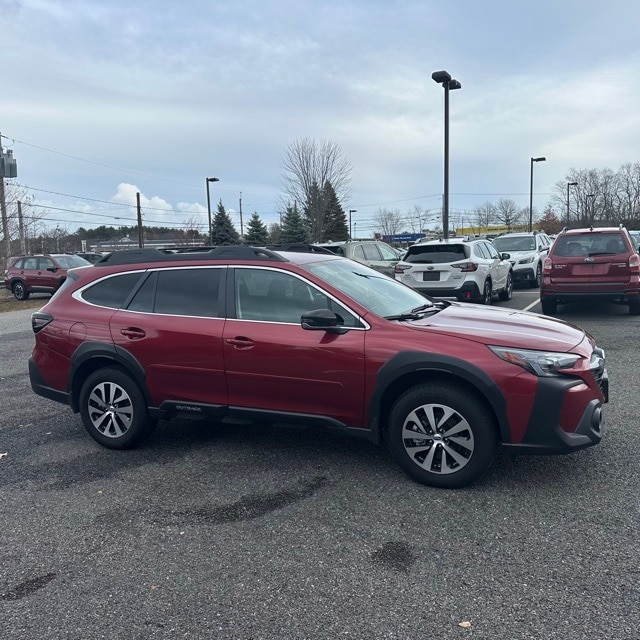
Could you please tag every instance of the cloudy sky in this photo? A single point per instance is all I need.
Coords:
(100, 100)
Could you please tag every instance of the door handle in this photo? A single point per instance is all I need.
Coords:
(133, 333)
(240, 343)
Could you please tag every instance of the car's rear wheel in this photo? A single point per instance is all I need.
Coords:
(20, 291)
(442, 435)
(114, 410)
(549, 306)
(538, 279)
(507, 292)
(485, 297)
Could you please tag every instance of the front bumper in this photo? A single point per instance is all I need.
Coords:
(523, 275)
(553, 409)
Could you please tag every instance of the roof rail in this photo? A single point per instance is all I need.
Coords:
(225, 252)
(299, 247)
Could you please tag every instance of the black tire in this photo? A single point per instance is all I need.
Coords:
(538, 279)
(549, 306)
(485, 296)
(432, 411)
(634, 308)
(20, 291)
(113, 409)
(507, 292)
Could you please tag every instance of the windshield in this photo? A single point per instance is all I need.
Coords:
(521, 243)
(375, 291)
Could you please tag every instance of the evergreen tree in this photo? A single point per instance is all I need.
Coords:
(222, 230)
(314, 213)
(257, 232)
(294, 228)
(335, 219)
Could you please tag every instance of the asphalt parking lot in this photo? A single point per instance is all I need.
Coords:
(255, 533)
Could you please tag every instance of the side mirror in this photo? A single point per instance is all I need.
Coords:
(505, 256)
(321, 320)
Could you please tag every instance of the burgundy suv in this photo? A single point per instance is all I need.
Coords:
(243, 333)
(591, 264)
(39, 274)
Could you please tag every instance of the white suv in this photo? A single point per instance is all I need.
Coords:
(527, 252)
(469, 270)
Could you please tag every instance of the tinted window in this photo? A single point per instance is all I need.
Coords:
(589, 244)
(188, 292)
(371, 252)
(112, 292)
(436, 253)
(46, 263)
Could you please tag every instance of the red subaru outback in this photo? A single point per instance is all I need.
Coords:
(241, 333)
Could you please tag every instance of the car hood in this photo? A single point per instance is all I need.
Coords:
(518, 255)
(503, 327)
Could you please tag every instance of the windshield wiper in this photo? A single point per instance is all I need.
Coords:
(419, 312)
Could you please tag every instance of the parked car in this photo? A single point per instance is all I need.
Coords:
(374, 253)
(90, 256)
(527, 251)
(39, 274)
(635, 236)
(241, 333)
(469, 270)
(592, 264)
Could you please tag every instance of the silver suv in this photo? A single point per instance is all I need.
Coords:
(374, 253)
(469, 270)
(527, 252)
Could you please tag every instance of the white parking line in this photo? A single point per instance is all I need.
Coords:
(530, 306)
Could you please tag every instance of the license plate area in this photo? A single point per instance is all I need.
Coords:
(601, 269)
(430, 276)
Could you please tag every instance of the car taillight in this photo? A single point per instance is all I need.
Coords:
(401, 268)
(40, 320)
(466, 266)
(634, 262)
(547, 265)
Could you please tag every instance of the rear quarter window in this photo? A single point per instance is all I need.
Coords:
(113, 291)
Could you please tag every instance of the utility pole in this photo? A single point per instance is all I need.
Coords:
(23, 248)
(140, 237)
(3, 207)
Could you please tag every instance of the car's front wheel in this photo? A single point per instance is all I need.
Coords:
(442, 435)
(114, 410)
(20, 291)
(538, 279)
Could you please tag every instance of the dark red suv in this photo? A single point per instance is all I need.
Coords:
(39, 274)
(242, 333)
(591, 264)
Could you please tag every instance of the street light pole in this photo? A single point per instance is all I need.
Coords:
(540, 159)
(449, 84)
(350, 212)
(569, 184)
(209, 208)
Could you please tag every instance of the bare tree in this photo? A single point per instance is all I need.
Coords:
(484, 215)
(389, 222)
(507, 213)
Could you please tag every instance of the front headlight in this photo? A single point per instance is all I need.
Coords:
(540, 363)
(527, 260)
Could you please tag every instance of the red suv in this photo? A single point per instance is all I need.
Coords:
(39, 274)
(242, 333)
(591, 264)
